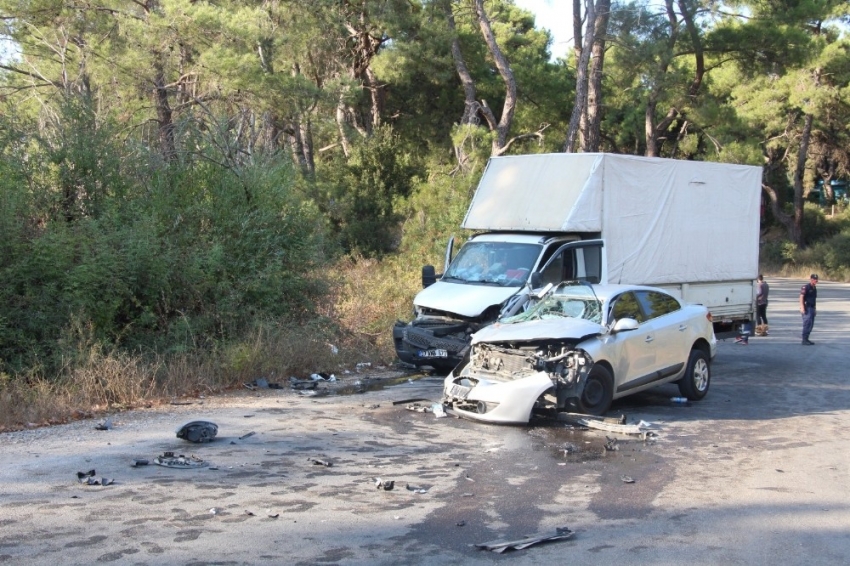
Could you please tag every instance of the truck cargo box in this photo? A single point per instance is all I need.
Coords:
(664, 221)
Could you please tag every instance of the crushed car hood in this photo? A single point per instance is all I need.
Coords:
(461, 298)
(550, 329)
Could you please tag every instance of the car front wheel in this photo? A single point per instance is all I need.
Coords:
(598, 392)
(694, 384)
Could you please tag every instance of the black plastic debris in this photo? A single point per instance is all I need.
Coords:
(386, 485)
(296, 383)
(416, 489)
(172, 460)
(611, 444)
(247, 435)
(317, 462)
(88, 478)
(140, 462)
(499, 546)
(461, 523)
(261, 383)
(105, 424)
(198, 431)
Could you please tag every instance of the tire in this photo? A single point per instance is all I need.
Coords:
(598, 392)
(694, 384)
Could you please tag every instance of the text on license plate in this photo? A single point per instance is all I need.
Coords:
(459, 391)
(433, 354)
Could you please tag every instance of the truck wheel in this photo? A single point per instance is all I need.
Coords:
(598, 392)
(694, 384)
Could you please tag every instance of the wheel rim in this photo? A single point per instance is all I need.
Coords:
(593, 393)
(701, 375)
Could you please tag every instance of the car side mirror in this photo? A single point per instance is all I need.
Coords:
(535, 280)
(429, 276)
(625, 324)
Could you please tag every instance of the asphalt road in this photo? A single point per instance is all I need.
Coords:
(756, 473)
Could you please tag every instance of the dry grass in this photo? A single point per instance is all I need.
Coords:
(99, 381)
(354, 325)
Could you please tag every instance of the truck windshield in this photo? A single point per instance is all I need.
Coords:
(496, 263)
(569, 300)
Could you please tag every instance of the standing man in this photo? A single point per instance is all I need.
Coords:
(762, 289)
(808, 301)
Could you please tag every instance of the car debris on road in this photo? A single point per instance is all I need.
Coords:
(198, 431)
(499, 546)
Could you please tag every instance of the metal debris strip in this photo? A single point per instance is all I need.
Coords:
(317, 462)
(247, 435)
(499, 546)
(609, 425)
(406, 401)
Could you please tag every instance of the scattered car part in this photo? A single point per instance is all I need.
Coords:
(105, 424)
(171, 460)
(198, 431)
(499, 546)
(318, 462)
(88, 478)
(247, 435)
(386, 485)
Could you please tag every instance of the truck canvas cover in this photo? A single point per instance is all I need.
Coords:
(663, 220)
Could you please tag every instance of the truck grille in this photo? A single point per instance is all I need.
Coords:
(427, 341)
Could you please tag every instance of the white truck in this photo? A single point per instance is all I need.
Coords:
(689, 227)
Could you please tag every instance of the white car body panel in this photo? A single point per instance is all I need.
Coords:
(655, 352)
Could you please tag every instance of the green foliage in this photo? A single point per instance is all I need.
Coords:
(362, 195)
(182, 259)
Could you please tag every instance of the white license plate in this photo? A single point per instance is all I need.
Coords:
(459, 391)
(433, 354)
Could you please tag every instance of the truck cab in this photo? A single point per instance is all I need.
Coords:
(487, 279)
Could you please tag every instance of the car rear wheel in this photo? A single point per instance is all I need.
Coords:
(598, 392)
(694, 384)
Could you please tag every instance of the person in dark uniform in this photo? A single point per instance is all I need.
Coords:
(808, 302)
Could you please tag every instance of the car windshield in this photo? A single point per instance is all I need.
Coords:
(496, 263)
(568, 300)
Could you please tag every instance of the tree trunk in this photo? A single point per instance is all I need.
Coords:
(509, 107)
(802, 154)
(592, 132)
(581, 79)
(163, 110)
(652, 131)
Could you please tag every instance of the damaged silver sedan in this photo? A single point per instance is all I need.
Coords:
(578, 348)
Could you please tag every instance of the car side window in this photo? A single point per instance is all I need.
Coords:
(627, 306)
(657, 304)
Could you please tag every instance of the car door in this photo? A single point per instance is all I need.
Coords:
(670, 325)
(632, 352)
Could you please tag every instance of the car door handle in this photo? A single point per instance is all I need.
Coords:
(648, 339)
(683, 327)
